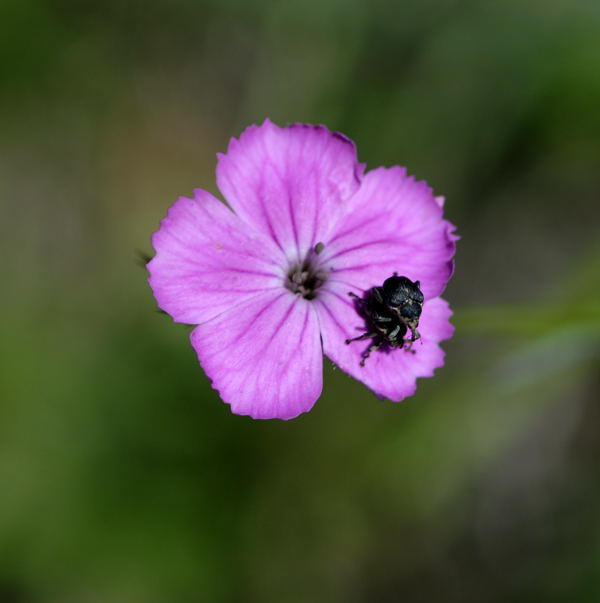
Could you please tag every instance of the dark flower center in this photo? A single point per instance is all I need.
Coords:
(307, 277)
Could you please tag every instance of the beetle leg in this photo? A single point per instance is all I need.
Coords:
(408, 345)
(394, 332)
(359, 300)
(414, 335)
(371, 348)
(363, 336)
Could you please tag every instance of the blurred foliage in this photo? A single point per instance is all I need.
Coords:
(125, 479)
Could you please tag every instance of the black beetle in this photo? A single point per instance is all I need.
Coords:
(390, 312)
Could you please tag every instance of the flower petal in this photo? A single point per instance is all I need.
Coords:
(392, 224)
(389, 373)
(207, 260)
(289, 182)
(264, 357)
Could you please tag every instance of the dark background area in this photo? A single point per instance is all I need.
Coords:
(124, 478)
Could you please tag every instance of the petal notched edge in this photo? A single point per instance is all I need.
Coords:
(208, 260)
(265, 357)
(290, 183)
(392, 224)
(393, 373)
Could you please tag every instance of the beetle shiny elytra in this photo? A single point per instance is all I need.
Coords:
(390, 311)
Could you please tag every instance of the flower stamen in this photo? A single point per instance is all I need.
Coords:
(306, 278)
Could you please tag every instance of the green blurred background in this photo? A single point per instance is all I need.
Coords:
(124, 479)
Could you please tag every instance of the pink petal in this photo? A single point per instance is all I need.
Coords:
(264, 356)
(391, 374)
(289, 182)
(207, 260)
(392, 224)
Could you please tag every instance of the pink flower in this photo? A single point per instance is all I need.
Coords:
(267, 305)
